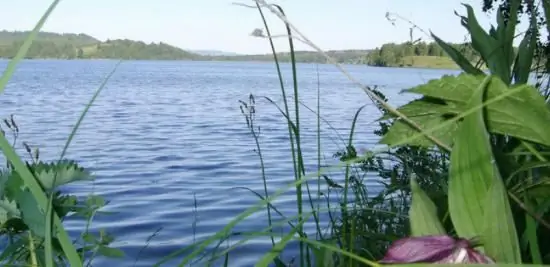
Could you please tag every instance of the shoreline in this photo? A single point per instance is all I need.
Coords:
(224, 60)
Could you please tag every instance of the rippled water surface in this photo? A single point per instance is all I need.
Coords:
(164, 134)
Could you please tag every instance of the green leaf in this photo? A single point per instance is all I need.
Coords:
(471, 170)
(500, 238)
(523, 115)
(488, 47)
(401, 129)
(8, 210)
(31, 213)
(63, 172)
(457, 89)
(426, 106)
(423, 213)
(457, 57)
(506, 116)
(110, 252)
(526, 50)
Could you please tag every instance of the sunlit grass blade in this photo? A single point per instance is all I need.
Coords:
(471, 170)
(10, 69)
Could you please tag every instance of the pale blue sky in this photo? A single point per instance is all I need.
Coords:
(221, 25)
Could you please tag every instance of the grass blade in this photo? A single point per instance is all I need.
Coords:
(276, 250)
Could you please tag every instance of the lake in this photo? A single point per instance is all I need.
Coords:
(169, 145)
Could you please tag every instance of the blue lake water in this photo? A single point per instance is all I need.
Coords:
(163, 134)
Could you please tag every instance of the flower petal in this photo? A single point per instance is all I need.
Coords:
(420, 249)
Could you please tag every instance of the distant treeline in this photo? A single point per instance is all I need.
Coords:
(341, 56)
(394, 55)
(73, 46)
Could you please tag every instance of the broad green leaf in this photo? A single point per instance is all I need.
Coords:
(423, 213)
(400, 129)
(424, 107)
(523, 114)
(457, 57)
(457, 89)
(499, 238)
(471, 170)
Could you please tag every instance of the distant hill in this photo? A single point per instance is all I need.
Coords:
(8, 37)
(70, 46)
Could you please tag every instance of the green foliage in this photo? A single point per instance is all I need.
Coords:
(377, 220)
(395, 55)
(471, 170)
(71, 46)
(341, 56)
(423, 213)
(22, 221)
(443, 99)
(512, 116)
(128, 49)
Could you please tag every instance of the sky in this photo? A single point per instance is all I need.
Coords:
(222, 25)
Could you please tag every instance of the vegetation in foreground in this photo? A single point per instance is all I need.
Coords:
(465, 171)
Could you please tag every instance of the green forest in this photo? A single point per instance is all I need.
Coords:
(82, 46)
(420, 54)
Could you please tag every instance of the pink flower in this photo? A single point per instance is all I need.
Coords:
(434, 249)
